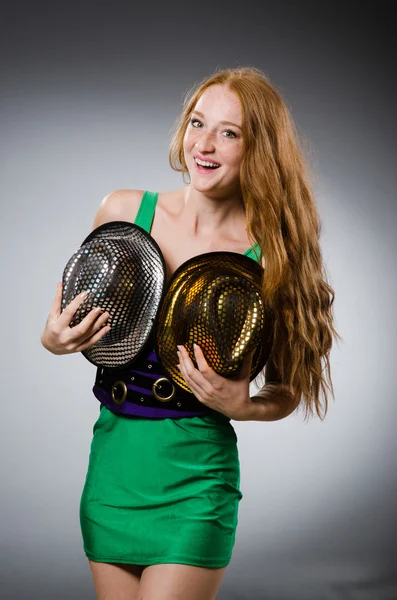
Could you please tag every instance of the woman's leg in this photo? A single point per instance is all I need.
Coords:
(116, 581)
(179, 582)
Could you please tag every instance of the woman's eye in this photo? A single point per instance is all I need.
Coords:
(230, 133)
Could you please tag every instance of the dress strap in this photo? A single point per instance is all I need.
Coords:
(147, 207)
(254, 252)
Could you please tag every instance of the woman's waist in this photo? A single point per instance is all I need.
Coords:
(145, 390)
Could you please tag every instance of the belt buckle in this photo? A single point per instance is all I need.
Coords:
(119, 392)
(157, 384)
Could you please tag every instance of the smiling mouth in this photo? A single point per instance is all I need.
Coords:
(204, 166)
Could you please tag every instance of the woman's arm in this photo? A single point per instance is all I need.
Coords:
(231, 396)
(274, 401)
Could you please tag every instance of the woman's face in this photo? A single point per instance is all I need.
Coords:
(214, 135)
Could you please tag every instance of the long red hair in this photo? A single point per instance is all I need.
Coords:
(283, 219)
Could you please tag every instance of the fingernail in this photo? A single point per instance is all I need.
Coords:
(83, 294)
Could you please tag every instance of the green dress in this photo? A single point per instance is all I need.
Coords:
(161, 490)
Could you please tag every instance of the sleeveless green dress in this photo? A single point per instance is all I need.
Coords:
(161, 490)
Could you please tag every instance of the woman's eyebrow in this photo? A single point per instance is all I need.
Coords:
(222, 122)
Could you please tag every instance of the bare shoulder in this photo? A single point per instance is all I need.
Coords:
(171, 203)
(120, 205)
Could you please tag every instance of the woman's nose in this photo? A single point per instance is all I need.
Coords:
(206, 141)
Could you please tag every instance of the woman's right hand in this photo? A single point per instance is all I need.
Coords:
(59, 338)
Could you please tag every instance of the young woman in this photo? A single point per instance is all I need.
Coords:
(159, 507)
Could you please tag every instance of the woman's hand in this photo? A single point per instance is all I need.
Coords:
(59, 338)
(229, 396)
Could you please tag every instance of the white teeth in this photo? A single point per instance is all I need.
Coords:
(204, 163)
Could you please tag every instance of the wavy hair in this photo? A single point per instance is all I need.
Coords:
(283, 219)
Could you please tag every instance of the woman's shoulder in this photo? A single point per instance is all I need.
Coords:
(119, 205)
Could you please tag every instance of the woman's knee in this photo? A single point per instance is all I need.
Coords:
(115, 581)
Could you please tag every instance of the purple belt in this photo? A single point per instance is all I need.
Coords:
(145, 391)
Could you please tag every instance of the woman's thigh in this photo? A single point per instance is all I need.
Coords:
(179, 582)
(116, 581)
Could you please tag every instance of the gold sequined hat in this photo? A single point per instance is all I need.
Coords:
(122, 268)
(215, 300)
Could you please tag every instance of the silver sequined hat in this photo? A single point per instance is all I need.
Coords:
(122, 268)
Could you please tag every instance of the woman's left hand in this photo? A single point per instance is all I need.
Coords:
(229, 396)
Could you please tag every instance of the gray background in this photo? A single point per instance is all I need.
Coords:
(90, 92)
